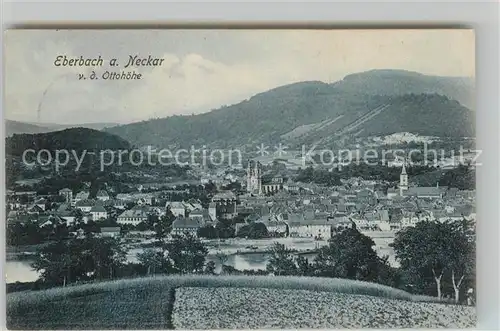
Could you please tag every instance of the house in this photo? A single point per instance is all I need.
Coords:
(290, 186)
(176, 208)
(67, 194)
(299, 226)
(212, 211)
(67, 213)
(132, 216)
(98, 212)
(158, 211)
(379, 195)
(272, 185)
(192, 205)
(82, 195)
(276, 226)
(143, 198)
(182, 225)
(78, 234)
(201, 215)
(424, 192)
(225, 205)
(124, 196)
(392, 193)
(49, 220)
(119, 204)
(35, 209)
(13, 216)
(16, 203)
(364, 194)
(41, 203)
(112, 232)
(85, 205)
(102, 195)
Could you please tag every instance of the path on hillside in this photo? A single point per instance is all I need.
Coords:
(338, 134)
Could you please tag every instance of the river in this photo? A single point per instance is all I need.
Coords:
(21, 271)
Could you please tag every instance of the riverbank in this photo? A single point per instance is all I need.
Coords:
(18, 253)
(241, 254)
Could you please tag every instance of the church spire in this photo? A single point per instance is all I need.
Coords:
(403, 179)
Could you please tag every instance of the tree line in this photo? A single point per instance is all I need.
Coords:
(435, 259)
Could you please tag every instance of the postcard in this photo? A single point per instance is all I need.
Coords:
(240, 179)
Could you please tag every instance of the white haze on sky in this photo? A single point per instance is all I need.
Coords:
(205, 69)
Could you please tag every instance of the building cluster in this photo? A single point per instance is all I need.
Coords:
(286, 208)
(309, 210)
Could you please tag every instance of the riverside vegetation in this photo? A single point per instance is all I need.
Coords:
(348, 264)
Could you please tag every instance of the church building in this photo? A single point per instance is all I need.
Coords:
(257, 184)
(254, 177)
(422, 192)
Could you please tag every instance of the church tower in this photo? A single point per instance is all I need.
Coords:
(254, 177)
(403, 180)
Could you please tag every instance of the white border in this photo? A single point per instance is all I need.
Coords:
(482, 16)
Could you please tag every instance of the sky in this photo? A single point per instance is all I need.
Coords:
(204, 69)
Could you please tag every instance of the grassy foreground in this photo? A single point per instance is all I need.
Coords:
(260, 308)
(147, 303)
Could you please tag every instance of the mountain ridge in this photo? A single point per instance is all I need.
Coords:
(291, 113)
(268, 116)
(17, 127)
(78, 139)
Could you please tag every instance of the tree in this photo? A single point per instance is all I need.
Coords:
(255, 230)
(304, 268)
(142, 226)
(387, 274)
(24, 234)
(350, 255)
(90, 227)
(186, 253)
(70, 260)
(106, 254)
(462, 177)
(155, 261)
(224, 229)
(437, 249)
(420, 252)
(163, 225)
(461, 254)
(210, 268)
(210, 187)
(207, 231)
(281, 261)
(55, 264)
(221, 257)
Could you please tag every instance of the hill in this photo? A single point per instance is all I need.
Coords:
(161, 303)
(399, 82)
(77, 139)
(373, 103)
(16, 127)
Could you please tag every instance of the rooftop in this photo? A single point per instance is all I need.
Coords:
(226, 195)
(421, 191)
(110, 229)
(185, 222)
(85, 203)
(136, 213)
(98, 209)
